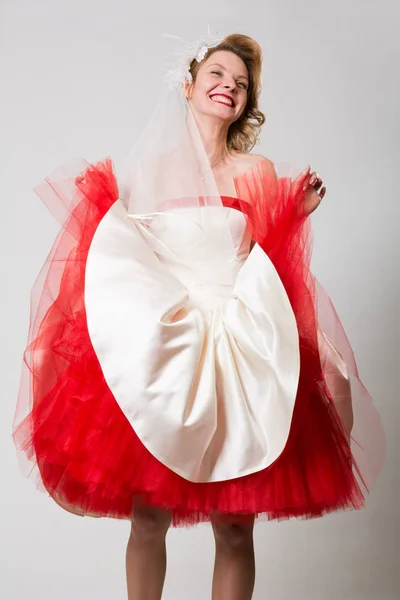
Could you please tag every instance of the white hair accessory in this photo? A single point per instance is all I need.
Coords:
(179, 71)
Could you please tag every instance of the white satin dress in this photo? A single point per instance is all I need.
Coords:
(201, 354)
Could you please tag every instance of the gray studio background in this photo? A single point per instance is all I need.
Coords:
(80, 78)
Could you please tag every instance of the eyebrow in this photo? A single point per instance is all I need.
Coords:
(222, 67)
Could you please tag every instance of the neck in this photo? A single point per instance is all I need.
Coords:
(214, 135)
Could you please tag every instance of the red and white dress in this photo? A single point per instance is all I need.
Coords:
(181, 380)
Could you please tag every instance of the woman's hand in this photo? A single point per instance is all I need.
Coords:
(311, 186)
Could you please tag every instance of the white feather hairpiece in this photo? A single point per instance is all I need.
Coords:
(178, 71)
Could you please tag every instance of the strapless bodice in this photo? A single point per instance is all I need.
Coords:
(191, 245)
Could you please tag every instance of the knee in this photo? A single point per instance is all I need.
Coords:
(149, 524)
(233, 536)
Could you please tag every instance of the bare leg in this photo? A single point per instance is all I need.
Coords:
(234, 569)
(146, 554)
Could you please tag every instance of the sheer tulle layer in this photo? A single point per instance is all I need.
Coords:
(279, 224)
(80, 445)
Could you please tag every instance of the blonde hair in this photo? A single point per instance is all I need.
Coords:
(243, 134)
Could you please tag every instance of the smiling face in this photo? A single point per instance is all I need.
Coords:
(220, 87)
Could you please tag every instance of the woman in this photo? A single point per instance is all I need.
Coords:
(184, 364)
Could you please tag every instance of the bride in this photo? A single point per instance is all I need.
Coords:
(182, 362)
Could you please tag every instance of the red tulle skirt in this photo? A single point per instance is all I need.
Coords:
(84, 452)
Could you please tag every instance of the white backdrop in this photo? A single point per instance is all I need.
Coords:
(80, 78)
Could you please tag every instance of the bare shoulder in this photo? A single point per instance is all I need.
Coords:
(248, 160)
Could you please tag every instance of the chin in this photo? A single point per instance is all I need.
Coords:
(220, 112)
